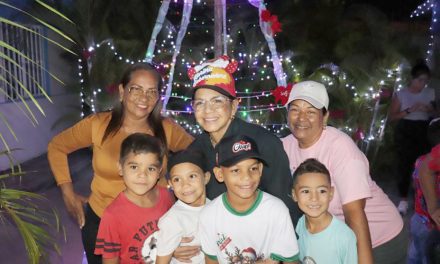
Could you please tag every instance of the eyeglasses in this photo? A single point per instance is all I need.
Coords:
(138, 92)
(215, 103)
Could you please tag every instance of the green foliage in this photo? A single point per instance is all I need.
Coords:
(354, 50)
(33, 223)
(36, 225)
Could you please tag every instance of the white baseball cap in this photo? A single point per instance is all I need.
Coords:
(312, 92)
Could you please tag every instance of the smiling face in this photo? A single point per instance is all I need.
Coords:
(241, 180)
(140, 94)
(213, 120)
(313, 193)
(419, 82)
(140, 173)
(188, 182)
(306, 122)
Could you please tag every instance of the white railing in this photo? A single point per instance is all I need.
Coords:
(27, 72)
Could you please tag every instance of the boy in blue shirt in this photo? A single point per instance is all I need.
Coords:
(322, 237)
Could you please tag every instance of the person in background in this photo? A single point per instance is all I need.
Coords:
(245, 224)
(357, 199)
(187, 178)
(411, 108)
(139, 110)
(322, 237)
(128, 228)
(425, 223)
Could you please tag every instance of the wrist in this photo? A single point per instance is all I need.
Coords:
(66, 188)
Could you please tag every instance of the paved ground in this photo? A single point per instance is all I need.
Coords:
(40, 180)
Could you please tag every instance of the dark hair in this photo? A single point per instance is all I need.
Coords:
(419, 69)
(434, 132)
(154, 119)
(310, 166)
(141, 143)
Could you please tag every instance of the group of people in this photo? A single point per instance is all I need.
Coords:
(240, 189)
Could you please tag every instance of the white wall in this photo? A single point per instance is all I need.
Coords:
(33, 140)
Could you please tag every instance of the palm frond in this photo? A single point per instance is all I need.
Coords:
(12, 23)
(53, 10)
(20, 209)
(9, 47)
(36, 221)
(54, 29)
(33, 119)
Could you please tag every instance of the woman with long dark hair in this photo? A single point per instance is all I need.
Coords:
(139, 111)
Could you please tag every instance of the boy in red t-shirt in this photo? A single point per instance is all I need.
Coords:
(127, 229)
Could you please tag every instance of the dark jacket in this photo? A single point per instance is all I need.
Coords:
(276, 179)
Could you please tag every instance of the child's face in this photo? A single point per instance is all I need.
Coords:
(140, 173)
(241, 179)
(188, 182)
(313, 194)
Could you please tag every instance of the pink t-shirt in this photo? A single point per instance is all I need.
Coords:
(349, 171)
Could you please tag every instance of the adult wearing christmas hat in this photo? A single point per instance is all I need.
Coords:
(357, 199)
(215, 106)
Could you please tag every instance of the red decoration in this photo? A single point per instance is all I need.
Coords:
(265, 15)
(434, 163)
(276, 27)
(191, 73)
(232, 66)
(282, 93)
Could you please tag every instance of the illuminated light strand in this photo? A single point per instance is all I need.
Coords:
(430, 5)
(264, 108)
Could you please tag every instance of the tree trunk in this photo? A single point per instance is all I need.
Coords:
(218, 23)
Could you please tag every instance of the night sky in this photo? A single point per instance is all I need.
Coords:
(395, 9)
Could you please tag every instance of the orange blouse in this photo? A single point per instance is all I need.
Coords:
(106, 183)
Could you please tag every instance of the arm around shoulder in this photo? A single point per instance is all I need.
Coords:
(357, 220)
(164, 259)
(348, 246)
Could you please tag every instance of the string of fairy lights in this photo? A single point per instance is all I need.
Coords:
(429, 5)
(256, 66)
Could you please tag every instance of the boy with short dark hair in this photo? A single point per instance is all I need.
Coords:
(187, 177)
(245, 224)
(322, 237)
(129, 224)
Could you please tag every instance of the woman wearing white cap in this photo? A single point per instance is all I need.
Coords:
(357, 199)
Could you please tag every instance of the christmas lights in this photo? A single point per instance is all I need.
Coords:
(433, 6)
